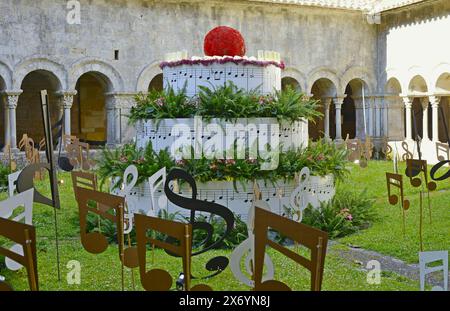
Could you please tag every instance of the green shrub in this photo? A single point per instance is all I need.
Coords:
(4, 172)
(225, 102)
(345, 214)
(162, 104)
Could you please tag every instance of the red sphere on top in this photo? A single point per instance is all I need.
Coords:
(223, 41)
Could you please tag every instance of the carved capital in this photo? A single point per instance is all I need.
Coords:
(12, 101)
(407, 101)
(326, 102)
(435, 100)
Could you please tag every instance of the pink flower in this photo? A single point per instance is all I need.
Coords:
(349, 217)
(320, 157)
(160, 101)
(123, 159)
(230, 162)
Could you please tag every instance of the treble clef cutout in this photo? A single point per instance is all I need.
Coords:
(248, 247)
(127, 186)
(298, 199)
(218, 263)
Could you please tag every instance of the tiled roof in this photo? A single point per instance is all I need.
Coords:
(373, 6)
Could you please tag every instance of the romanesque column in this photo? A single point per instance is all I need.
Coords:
(424, 101)
(110, 120)
(12, 100)
(385, 123)
(66, 104)
(371, 104)
(6, 120)
(408, 105)
(338, 104)
(434, 100)
(378, 103)
(326, 104)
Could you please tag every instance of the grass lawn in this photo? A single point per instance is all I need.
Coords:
(102, 272)
(386, 234)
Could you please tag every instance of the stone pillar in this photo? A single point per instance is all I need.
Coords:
(326, 104)
(12, 99)
(6, 120)
(110, 120)
(408, 106)
(378, 104)
(66, 104)
(338, 105)
(434, 100)
(424, 101)
(385, 123)
(371, 104)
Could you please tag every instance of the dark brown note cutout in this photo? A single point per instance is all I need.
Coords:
(396, 180)
(314, 239)
(24, 235)
(413, 169)
(159, 279)
(89, 201)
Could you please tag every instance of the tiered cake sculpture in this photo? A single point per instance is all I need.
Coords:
(225, 62)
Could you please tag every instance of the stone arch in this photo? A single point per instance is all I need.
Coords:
(146, 76)
(291, 72)
(392, 90)
(393, 86)
(5, 76)
(323, 73)
(39, 64)
(360, 73)
(106, 71)
(417, 85)
(411, 74)
(441, 79)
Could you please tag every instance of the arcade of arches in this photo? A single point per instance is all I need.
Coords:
(96, 114)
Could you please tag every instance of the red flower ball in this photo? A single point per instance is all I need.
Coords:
(223, 41)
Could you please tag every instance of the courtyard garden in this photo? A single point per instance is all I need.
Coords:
(359, 217)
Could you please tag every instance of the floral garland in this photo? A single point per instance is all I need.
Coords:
(223, 60)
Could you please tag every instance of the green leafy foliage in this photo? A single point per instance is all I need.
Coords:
(345, 214)
(225, 102)
(113, 163)
(321, 157)
(162, 104)
(4, 172)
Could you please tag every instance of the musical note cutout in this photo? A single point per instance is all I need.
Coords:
(396, 180)
(159, 279)
(247, 249)
(426, 258)
(8, 208)
(12, 183)
(353, 149)
(157, 182)
(414, 168)
(407, 155)
(90, 201)
(130, 177)
(25, 236)
(299, 199)
(218, 263)
(312, 238)
(386, 149)
(77, 155)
